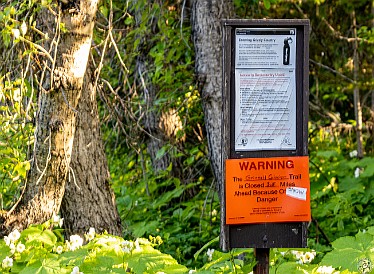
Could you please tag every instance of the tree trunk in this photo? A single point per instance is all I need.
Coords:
(160, 125)
(356, 92)
(60, 89)
(89, 200)
(155, 139)
(207, 37)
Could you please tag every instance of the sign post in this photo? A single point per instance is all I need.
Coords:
(265, 142)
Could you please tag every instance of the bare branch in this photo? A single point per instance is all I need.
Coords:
(341, 37)
(332, 70)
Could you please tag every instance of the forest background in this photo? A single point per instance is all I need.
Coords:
(147, 99)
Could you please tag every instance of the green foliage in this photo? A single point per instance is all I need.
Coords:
(341, 186)
(353, 253)
(331, 58)
(185, 215)
(16, 133)
(176, 201)
(41, 249)
(17, 97)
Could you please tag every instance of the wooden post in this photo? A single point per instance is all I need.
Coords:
(262, 257)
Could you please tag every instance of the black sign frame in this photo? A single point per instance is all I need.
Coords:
(264, 235)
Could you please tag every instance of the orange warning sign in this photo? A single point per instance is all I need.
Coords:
(267, 190)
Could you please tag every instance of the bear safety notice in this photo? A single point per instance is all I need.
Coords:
(265, 89)
(266, 190)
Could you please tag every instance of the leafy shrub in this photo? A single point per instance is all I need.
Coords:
(42, 249)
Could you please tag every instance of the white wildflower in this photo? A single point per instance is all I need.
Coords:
(353, 154)
(76, 270)
(137, 245)
(357, 172)
(210, 254)
(7, 240)
(23, 28)
(325, 269)
(127, 246)
(75, 242)
(7, 262)
(191, 271)
(20, 247)
(214, 212)
(59, 249)
(17, 95)
(297, 254)
(12, 247)
(91, 234)
(16, 33)
(57, 221)
(14, 235)
(307, 257)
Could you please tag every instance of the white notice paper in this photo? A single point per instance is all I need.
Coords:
(297, 193)
(265, 89)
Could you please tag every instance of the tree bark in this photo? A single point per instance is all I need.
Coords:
(207, 37)
(155, 139)
(356, 92)
(60, 89)
(161, 126)
(89, 200)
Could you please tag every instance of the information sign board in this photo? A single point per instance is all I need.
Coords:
(263, 190)
(265, 89)
(265, 133)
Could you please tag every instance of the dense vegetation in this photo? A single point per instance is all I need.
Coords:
(171, 216)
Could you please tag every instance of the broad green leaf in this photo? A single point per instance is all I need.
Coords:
(348, 251)
(141, 228)
(49, 265)
(346, 242)
(294, 268)
(327, 154)
(346, 259)
(47, 237)
(205, 246)
(267, 4)
(167, 196)
(161, 152)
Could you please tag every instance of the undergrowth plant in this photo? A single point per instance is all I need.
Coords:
(342, 188)
(185, 223)
(43, 249)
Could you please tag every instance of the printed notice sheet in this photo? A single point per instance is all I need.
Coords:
(265, 89)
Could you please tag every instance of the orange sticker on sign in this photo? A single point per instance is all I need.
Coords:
(267, 190)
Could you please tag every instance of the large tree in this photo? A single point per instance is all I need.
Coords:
(89, 200)
(207, 37)
(68, 28)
